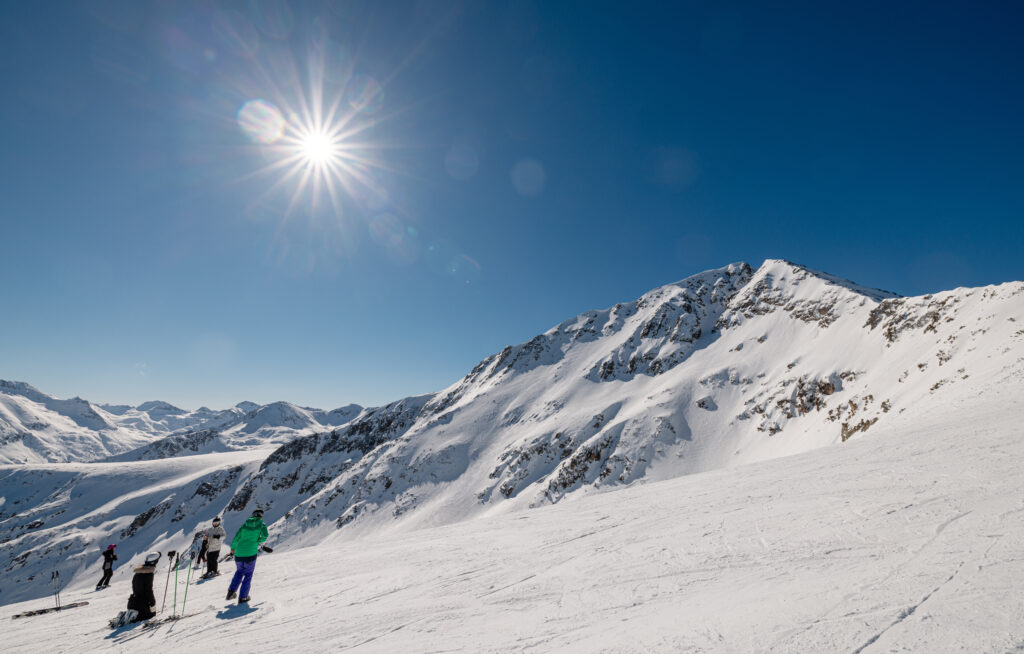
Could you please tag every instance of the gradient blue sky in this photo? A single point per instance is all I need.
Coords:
(531, 161)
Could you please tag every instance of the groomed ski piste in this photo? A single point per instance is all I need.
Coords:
(908, 538)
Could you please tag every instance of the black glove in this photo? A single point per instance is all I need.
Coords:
(268, 550)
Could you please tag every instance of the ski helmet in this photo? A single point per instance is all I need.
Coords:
(258, 513)
(110, 547)
(216, 520)
(152, 558)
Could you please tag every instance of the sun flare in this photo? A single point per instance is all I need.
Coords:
(316, 138)
(318, 147)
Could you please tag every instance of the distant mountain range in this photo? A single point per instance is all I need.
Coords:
(724, 368)
(38, 428)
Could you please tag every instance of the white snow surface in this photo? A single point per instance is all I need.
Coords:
(906, 539)
(800, 464)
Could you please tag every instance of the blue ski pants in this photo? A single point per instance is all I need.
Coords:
(243, 576)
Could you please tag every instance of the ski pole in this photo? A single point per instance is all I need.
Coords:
(170, 558)
(56, 574)
(191, 557)
(174, 607)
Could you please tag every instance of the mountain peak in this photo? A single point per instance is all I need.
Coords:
(794, 273)
(22, 388)
(160, 407)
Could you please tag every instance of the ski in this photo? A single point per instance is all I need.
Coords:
(153, 623)
(52, 609)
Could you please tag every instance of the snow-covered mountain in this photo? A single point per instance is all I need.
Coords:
(233, 430)
(724, 368)
(904, 539)
(38, 428)
(728, 367)
(35, 427)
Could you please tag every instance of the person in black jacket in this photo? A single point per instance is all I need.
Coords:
(142, 599)
(108, 567)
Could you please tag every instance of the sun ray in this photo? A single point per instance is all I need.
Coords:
(323, 155)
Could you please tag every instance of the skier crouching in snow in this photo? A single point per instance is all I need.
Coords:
(142, 599)
(108, 567)
(215, 536)
(244, 548)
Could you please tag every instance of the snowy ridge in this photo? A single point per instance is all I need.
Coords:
(725, 368)
(190, 443)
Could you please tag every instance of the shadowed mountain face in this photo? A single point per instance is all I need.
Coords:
(723, 368)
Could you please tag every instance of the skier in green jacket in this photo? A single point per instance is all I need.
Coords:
(244, 547)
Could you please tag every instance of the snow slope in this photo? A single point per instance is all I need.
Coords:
(726, 368)
(906, 538)
(59, 516)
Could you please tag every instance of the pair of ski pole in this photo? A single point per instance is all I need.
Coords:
(55, 580)
(188, 577)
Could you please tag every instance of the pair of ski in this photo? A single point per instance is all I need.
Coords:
(55, 580)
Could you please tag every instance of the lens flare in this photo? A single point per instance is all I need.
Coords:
(528, 177)
(461, 162)
(399, 241)
(261, 121)
(364, 94)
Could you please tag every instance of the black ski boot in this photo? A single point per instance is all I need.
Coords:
(243, 600)
(231, 595)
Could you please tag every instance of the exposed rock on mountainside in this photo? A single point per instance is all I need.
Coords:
(192, 442)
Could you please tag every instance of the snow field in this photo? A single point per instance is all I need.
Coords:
(908, 538)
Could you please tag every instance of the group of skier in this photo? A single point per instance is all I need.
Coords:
(245, 547)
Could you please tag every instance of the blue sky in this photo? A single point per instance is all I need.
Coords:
(519, 163)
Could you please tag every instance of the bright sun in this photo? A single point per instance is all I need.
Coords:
(317, 148)
(318, 145)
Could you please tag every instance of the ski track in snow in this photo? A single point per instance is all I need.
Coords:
(908, 539)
